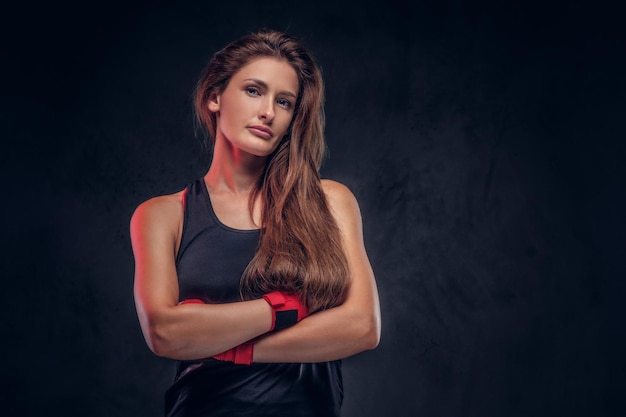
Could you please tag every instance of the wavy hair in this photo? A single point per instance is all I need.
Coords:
(300, 249)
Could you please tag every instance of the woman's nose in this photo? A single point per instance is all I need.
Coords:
(267, 111)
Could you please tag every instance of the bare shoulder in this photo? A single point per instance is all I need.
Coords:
(341, 200)
(333, 188)
(164, 212)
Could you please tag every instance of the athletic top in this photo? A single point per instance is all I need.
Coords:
(210, 262)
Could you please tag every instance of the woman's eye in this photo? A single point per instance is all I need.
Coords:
(252, 91)
(284, 103)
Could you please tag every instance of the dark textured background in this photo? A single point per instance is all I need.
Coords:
(484, 141)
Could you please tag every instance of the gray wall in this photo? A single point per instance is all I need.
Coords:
(485, 143)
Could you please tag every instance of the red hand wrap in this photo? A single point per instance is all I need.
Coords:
(241, 355)
(192, 301)
(287, 309)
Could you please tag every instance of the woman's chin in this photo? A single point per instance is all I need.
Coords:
(259, 149)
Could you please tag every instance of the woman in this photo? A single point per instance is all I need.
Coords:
(255, 277)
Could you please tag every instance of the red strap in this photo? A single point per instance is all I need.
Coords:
(243, 354)
(192, 301)
(275, 299)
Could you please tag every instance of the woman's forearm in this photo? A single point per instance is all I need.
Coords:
(328, 335)
(197, 331)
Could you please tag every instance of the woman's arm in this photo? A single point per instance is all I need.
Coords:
(347, 329)
(188, 331)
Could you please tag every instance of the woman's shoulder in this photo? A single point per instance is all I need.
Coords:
(332, 186)
(336, 190)
(164, 209)
(340, 198)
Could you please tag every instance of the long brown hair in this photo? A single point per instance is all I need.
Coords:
(300, 248)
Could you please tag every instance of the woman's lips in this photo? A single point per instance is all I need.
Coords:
(261, 131)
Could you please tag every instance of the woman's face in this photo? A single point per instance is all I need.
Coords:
(255, 110)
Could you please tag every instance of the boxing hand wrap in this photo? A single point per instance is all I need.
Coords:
(287, 309)
(192, 301)
(241, 355)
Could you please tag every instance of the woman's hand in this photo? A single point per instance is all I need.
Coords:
(287, 309)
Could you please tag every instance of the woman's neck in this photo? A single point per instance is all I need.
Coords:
(233, 170)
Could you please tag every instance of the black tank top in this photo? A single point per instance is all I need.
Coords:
(210, 262)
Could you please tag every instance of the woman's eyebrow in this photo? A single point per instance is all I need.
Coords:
(264, 85)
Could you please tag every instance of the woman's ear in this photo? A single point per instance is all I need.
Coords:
(214, 102)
